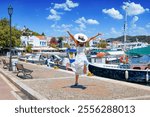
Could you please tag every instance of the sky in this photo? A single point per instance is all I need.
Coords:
(55, 17)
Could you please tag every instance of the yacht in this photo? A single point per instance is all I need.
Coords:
(132, 45)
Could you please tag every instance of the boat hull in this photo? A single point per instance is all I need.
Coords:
(120, 74)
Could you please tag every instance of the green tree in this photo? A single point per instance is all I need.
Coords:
(60, 39)
(53, 46)
(28, 32)
(29, 49)
(102, 44)
(35, 33)
(66, 45)
(43, 34)
(5, 34)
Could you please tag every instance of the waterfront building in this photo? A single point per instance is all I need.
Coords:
(34, 41)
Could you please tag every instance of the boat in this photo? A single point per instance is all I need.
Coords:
(122, 71)
(132, 45)
(53, 60)
(139, 51)
(50, 51)
(118, 73)
(33, 58)
(62, 62)
(110, 56)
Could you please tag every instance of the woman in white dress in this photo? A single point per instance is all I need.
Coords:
(81, 61)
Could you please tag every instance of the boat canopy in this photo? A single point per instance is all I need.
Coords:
(71, 50)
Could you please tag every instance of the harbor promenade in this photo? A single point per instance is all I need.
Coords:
(57, 84)
(6, 92)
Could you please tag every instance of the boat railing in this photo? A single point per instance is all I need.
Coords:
(106, 65)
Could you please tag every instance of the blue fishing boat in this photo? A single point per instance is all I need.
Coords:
(118, 73)
(123, 71)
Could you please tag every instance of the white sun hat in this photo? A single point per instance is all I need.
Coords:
(81, 37)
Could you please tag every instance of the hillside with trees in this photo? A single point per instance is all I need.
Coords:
(140, 38)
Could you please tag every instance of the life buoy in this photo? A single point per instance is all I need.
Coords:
(100, 54)
(124, 59)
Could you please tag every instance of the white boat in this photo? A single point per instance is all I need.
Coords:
(116, 53)
(33, 58)
(132, 45)
(50, 51)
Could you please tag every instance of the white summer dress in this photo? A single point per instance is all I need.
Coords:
(80, 60)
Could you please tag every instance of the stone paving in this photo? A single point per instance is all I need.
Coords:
(87, 89)
(56, 84)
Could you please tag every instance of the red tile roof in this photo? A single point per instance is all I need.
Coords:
(41, 37)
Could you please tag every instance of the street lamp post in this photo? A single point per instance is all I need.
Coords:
(10, 12)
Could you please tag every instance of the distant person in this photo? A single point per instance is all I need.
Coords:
(81, 61)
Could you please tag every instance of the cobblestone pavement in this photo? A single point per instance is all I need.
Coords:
(89, 88)
(58, 84)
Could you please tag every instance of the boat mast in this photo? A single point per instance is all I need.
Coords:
(125, 28)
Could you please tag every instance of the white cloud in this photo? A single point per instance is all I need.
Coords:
(66, 26)
(54, 15)
(114, 32)
(148, 25)
(134, 20)
(61, 6)
(146, 9)
(82, 22)
(71, 4)
(133, 8)
(67, 6)
(91, 21)
(62, 27)
(113, 13)
(139, 31)
(54, 12)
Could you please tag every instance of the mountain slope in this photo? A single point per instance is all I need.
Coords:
(141, 38)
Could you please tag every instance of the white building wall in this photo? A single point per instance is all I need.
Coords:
(36, 41)
(33, 40)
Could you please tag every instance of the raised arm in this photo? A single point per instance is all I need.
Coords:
(72, 37)
(93, 37)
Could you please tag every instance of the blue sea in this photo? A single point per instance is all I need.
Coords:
(145, 59)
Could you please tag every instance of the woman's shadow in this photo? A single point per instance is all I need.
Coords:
(78, 86)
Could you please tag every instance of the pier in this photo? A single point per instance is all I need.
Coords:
(56, 84)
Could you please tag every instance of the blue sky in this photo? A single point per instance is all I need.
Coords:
(55, 17)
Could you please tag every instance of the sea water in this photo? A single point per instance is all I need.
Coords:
(145, 59)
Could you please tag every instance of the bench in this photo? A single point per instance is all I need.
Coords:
(24, 71)
(5, 64)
